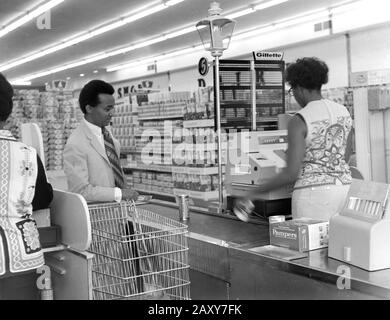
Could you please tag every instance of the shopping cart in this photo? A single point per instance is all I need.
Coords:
(138, 254)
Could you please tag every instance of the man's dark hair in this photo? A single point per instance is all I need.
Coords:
(6, 94)
(309, 73)
(89, 94)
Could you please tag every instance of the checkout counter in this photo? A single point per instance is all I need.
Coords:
(223, 262)
(224, 266)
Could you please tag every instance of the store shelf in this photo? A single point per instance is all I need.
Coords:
(125, 150)
(167, 169)
(203, 195)
(246, 104)
(267, 120)
(162, 117)
(196, 170)
(268, 87)
(155, 192)
(200, 146)
(201, 123)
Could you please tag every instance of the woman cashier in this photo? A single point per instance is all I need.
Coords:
(317, 140)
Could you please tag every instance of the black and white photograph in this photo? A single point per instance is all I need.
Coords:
(193, 156)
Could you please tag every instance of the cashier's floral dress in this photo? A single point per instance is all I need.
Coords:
(325, 177)
(20, 248)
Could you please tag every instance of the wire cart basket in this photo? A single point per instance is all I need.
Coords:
(138, 254)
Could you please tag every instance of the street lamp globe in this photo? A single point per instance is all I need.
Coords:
(215, 31)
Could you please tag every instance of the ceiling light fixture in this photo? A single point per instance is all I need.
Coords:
(158, 58)
(20, 83)
(104, 55)
(268, 4)
(31, 14)
(135, 15)
(286, 22)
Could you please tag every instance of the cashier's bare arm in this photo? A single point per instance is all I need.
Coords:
(77, 174)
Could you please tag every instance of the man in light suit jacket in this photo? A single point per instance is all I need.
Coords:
(91, 154)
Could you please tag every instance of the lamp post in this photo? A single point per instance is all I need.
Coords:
(215, 32)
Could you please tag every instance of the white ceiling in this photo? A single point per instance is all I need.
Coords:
(74, 16)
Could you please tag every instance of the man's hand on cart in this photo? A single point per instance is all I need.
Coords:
(128, 194)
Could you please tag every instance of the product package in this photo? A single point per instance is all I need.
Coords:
(302, 234)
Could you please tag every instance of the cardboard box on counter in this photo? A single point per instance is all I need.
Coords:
(300, 234)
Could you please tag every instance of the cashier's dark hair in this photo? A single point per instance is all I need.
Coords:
(310, 73)
(6, 94)
(90, 92)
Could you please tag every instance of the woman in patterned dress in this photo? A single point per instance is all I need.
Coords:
(23, 188)
(317, 141)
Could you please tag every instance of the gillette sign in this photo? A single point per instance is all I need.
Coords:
(267, 56)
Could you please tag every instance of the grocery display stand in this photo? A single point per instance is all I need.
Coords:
(252, 94)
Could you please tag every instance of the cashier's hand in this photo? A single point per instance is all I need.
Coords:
(244, 204)
(128, 194)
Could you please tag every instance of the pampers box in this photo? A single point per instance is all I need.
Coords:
(302, 234)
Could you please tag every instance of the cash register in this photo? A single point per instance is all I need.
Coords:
(253, 158)
(360, 234)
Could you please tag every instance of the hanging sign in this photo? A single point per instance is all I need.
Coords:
(203, 66)
(263, 55)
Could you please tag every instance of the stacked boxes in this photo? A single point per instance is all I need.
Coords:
(124, 123)
(170, 104)
(153, 181)
(195, 182)
(197, 147)
(203, 108)
(56, 141)
(154, 141)
(57, 115)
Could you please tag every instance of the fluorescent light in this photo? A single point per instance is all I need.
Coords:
(29, 16)
(95, 71)
(82, 74)
(240, 13)
(172, 2)
(68, 78)
(148, 60)
(20, 83)
(141, 13)
(137, 14)
(283, 23)
(268, 4)
(180, 32)
(103, 55)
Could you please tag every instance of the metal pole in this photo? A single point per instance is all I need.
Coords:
(218, 119)
(253, 95)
